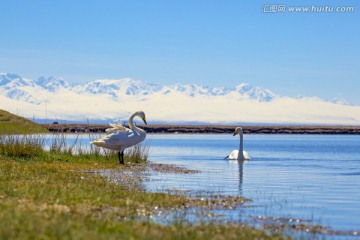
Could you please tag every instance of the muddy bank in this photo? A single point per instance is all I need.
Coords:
(162, 128)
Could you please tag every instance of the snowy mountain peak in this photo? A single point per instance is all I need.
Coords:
(255, 93)
(9, 75)
(243, 88)
(118, 87)
(340, 101)
(191, 89)
(15, 87)
(53, 84)
(9, 81)
(219, 91)
(6, 78)
(132, 87)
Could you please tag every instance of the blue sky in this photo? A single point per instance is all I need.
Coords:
(212, 43)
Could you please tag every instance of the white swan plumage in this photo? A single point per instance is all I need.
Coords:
(119, 138)
(114, 128)
(234, 155)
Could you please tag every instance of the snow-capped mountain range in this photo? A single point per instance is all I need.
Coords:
(16, 87)
(114, 99)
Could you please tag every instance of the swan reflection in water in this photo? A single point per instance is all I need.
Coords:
(240, 164)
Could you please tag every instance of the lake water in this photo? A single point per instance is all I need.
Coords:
(311, 177)
(314, 178)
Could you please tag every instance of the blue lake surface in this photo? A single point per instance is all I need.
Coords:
(313, 177)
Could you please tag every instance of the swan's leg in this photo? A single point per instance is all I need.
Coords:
(121, 157)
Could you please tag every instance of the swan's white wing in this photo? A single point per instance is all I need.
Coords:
(114, 139)
(115, 127)
(234, 155)
(119, 140)
(110, 130)
(246, 155)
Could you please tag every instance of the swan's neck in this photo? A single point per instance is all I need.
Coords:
(241, 147)
(131, 124)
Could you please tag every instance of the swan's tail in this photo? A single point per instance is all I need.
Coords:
(226, 157)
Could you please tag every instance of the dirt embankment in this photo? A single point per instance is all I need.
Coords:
(167, 128)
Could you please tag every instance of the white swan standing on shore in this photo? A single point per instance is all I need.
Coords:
(119, 137)
(234, 155)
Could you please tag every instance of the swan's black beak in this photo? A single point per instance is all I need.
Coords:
(234, 134)
(145, 121)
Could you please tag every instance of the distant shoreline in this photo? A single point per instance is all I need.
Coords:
(169, 128)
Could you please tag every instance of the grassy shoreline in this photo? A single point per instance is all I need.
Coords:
(13, 124)
(51, 194)
(55, 199)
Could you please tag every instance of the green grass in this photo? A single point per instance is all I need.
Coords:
(13, 124)
(32, 147)
(21, 145)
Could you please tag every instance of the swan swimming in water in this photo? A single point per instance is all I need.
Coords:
(234, 155)
(119, 137)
